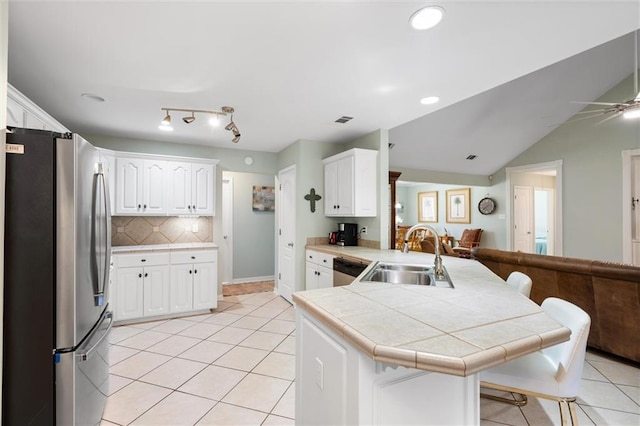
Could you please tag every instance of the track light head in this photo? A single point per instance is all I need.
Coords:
(236, 139)
(229, 126)
(190, 119)
(167, 120)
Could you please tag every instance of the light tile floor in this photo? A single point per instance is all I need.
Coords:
(237, 367)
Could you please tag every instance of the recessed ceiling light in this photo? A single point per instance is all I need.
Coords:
(165, 128)
(427, 17)
(92, 97)
(429, 100)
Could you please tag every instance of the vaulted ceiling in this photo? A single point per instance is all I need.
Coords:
(505, 71)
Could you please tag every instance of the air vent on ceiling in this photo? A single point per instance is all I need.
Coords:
(343, 119)
(471, 157)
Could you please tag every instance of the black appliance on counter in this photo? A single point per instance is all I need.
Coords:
(347, 234)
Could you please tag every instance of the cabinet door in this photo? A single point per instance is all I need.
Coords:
(331, 189)
(156, 290)
(202, 190)
(181, 288)
(325, 277)
(154, 190)
(345, 186)
(311, 277)
(128, 294)
(205, 286)
(179, 188)
(129, 175)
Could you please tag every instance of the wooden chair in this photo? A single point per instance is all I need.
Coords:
(470, 238)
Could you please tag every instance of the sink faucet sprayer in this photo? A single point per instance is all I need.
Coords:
(438, 260)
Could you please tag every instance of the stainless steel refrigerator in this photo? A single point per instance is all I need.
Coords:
(56, 281)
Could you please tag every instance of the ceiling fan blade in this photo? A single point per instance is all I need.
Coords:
(591, 111)
(596, 103)
(608, 118)
(573, 120)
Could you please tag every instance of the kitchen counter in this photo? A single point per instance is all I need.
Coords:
(158, 247)
(478, 324)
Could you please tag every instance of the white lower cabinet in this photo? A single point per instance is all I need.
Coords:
(142, 285)
(194, 280)
(156, 284)
(319, 272)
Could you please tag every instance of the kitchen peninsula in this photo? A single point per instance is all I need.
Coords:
(378, 353)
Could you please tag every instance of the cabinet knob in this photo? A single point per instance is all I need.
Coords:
(190, 271)
(193, 257)
(140, 275)
(145, 206)
(146, 274)
(139, 206)
(143, 260)
(195, 272)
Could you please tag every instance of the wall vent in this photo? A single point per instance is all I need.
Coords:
(471, 157)
(343, 119)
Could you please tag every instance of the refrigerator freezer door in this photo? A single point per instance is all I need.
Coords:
(83, 378)
(83, 240)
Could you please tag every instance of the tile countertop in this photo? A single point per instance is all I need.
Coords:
(480, 323)
(156, 247)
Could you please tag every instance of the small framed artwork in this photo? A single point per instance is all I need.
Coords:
(458, 205)
(264, 198)
(428, 207)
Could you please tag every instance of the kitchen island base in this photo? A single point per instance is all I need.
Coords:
(337, 384)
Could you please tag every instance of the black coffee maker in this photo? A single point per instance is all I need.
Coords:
(347, 234)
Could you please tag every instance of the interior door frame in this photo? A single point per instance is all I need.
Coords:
(530, 168)
(280, 224)
(627, 250)
(227, 229)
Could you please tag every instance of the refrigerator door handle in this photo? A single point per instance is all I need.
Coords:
(101, 237)
(85, 354)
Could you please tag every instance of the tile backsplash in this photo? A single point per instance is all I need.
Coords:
(139, 230)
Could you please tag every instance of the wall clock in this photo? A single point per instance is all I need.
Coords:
(487, 205)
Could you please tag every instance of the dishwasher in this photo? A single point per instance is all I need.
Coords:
(345, 271)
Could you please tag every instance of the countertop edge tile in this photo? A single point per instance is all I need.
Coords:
(358, 339)
(405, 357)
(483, 359)
(440, 363)
(522, 347)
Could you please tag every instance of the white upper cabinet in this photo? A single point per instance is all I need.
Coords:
(22, 112)
(192, 188)
(141, 186)
(350, 183)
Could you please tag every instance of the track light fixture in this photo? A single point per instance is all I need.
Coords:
(214, 118)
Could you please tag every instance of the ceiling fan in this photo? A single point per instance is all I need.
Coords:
(629, 109)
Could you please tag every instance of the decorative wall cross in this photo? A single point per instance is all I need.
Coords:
(312, 198)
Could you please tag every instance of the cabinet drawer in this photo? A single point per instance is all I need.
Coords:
(193, 256)
(146, 259)
(319, 258)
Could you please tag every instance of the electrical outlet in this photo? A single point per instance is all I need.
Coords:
(194, 227)
(364, 230)
(319, 374)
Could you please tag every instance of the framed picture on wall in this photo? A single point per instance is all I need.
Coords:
(458, 205)
(264, 198)
(428, 207)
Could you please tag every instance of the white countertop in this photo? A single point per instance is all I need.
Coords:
(480, 323)
(157, 247)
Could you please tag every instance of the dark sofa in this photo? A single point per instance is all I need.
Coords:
(608, 292)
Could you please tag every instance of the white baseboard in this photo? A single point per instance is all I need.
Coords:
(251, 280)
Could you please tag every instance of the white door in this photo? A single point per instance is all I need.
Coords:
(635, 210)
(523, 219)
(156, 290)
(154, 189)
(205, 286)
(286, 232)
(181, 288)
(226, 248)
(180, 188)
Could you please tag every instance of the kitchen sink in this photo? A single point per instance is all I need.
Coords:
(399, 273)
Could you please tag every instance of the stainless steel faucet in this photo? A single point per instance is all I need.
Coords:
(436, 244)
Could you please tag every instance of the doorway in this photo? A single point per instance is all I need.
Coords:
(631, 206)
(534, 208)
